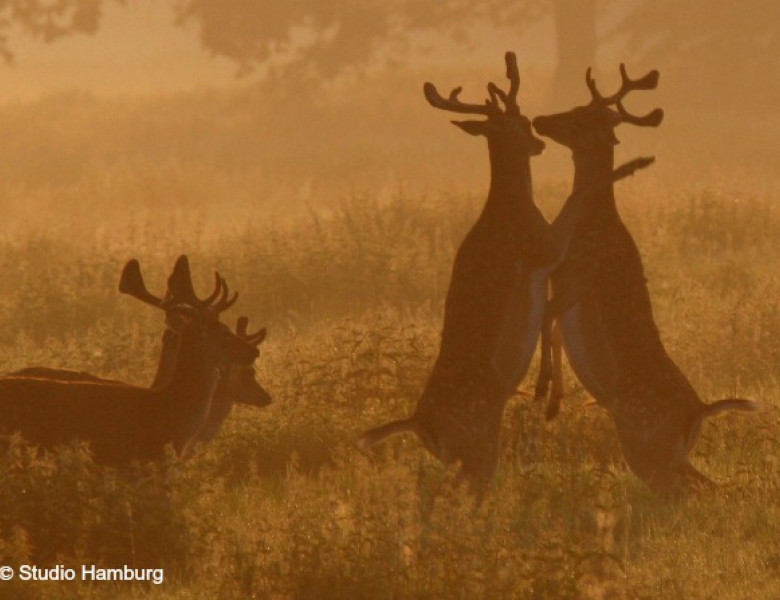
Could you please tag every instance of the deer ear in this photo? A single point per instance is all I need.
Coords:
(258, 337)
(472, 127)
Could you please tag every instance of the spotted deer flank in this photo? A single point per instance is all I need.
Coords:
(603, 308)
(495, 304)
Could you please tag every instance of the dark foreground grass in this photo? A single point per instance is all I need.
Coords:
(282, 505)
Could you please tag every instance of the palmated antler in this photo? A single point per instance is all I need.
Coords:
(225, 300)
(253, 338)
(454, 105)
(513, 75)
(132, 283)
(490, 106)
(647, 82)
(181, 290)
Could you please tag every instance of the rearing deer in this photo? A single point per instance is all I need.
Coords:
(602, 306)
(495, 304)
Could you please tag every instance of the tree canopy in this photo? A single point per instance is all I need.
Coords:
(732, 48)
(728, 46)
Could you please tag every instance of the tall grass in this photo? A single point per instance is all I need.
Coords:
(281, 504)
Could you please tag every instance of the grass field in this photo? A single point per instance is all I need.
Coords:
(281, 504)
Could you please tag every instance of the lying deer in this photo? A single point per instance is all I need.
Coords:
(236, 384)
(122, 423)
(603, 309)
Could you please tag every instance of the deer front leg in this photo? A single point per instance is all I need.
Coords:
(550, 368)
(551, 365)
(546, 362)
(557, 392)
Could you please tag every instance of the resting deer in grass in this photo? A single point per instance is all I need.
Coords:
(236, 384)
(495, 304)
(122, 423)
(603, 309)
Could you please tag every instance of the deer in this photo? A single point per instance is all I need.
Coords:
(495, 303)
(497, 297)
(604, 313)
(125, 423)
(237, 384)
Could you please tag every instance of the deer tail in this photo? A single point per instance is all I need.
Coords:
(731, 404)
(378, 434)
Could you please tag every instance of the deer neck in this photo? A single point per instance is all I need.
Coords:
(592, 186)
(510, 182)
(189, 392)
(219, 408)
(592, 168)
(167, 362)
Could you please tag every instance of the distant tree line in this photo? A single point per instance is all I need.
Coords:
(728, 46)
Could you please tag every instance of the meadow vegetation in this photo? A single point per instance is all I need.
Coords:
(281, 504)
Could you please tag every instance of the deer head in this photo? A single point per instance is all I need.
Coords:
(238, 383)
(221, 347)
(591, 126)
(501, 124)
(241, 381)
(186, 312)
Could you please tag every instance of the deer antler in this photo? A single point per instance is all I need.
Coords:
(181, 290)
(651, 119)
(647, 82)
(225, 301)
(253, 338)
(132, 283)
(490, 107)
(513, 75)
(453, 104)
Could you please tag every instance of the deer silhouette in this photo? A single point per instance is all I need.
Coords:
(495, 304)
(237, 384)
(603, 308)
(122, 423)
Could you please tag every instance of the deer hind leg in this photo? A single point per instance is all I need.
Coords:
(679, 480)
(557, 392)
(695, 480)
(546, 363)
(551, 365)
(374, 436)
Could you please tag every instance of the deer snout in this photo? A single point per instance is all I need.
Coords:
(537, 146)
(262, 398)
(543, 125)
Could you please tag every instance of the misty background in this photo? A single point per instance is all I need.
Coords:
(209, 105)
(289, 146)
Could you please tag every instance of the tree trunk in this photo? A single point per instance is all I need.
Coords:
(575, 27)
